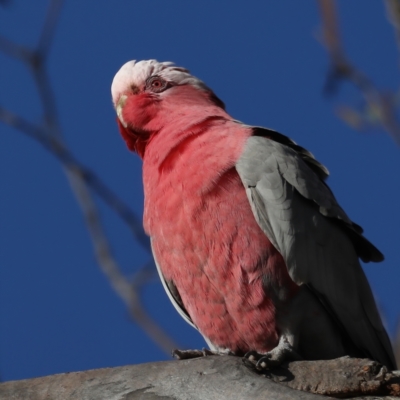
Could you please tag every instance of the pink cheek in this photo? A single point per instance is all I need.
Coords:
(139, 110)
(129, 138)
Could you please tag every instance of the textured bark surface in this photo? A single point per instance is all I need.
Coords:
(342, 378)
(211, 378)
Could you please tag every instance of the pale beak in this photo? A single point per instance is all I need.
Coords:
(119, 107)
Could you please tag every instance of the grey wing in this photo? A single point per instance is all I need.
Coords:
(318, 241)
(173, 294)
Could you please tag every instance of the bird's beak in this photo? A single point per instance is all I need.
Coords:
(119, 107)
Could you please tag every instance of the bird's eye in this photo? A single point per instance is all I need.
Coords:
(156, 84)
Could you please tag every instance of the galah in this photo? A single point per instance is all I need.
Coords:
(250, 243)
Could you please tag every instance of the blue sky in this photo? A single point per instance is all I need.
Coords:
(58, 312)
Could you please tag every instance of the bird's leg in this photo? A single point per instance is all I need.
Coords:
(188, 354)
(274, 358)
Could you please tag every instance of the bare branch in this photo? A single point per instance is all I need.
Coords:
(379, 106)
(63, 154)
(81, 178)
(110, 267)
(49, 27)
(147, 273)
(331, 29)
(14, 50)
(393, 14)
(39, 70)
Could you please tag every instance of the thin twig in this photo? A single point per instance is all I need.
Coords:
(64, 155)
(146, 274)
(110, 267)
(14, 50)
(393, 15)
(331, 29)
(80, 177)
(382, 103)
(49, 27)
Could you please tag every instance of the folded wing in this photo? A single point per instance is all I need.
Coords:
(320, 244)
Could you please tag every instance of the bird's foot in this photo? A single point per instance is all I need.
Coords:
(188, 354)
(274, 358)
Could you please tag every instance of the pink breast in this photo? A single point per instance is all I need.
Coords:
(227, 272)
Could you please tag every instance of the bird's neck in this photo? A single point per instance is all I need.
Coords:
(198, 153)
(175, 126)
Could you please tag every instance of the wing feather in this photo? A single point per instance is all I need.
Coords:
(301, 217)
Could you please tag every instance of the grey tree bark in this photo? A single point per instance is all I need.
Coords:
(213, 378)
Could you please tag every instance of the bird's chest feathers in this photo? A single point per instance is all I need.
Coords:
(187, 185)
(206, 240)
(195, 208)
(189, 177)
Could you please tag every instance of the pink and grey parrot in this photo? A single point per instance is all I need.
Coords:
(250, 243)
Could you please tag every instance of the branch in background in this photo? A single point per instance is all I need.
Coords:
(128, 292)
(393, 15)
(81, 179)
(379, 107)
(63, 154)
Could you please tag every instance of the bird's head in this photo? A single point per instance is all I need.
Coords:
(148, 95)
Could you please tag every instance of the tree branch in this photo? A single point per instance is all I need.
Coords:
(81, 178)
(379, 106)
(393, 14)
(214, 378)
